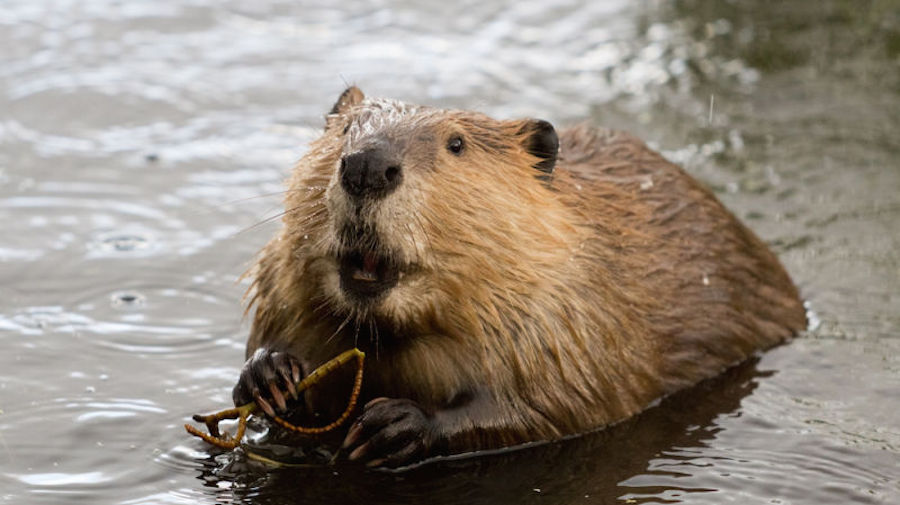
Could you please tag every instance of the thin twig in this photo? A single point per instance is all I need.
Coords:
(225, 441)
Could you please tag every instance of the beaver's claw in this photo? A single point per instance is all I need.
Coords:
(390, 432)
(268, 378)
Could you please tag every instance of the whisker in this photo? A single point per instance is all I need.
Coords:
(418, 258)
(255, 197)
(267, 195)
(418, 217)
(338, 330)
(320, 304)
(312, 215)
(375, 327)
(356, 315)
(265, 221)
(282, 214)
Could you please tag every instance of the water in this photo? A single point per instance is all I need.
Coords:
(138, 141)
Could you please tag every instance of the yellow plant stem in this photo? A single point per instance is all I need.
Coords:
(243, 412)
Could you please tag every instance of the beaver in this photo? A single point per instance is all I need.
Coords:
(509, 284)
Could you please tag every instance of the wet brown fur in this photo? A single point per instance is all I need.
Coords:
(536, 309)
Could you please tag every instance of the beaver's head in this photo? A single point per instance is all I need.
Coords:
(399, 210)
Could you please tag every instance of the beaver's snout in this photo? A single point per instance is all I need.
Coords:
(372, 172)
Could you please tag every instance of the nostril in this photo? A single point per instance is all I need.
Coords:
(392, 173)
(369, 172)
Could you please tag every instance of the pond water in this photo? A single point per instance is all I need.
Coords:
(143, 143)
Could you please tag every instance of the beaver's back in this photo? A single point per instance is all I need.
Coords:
(721, 293)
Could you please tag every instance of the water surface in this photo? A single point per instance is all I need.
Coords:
(141, 142)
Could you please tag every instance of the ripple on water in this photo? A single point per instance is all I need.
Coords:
(90, 453)
(146, 319)
(797, 439)
(114, 244)
(814, 471)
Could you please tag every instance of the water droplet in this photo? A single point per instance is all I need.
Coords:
(124, 299)
(125, 243)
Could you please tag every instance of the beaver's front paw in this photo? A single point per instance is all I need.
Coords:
(268, 378)
(390, 432)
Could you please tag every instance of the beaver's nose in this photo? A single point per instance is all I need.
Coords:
(373, 172)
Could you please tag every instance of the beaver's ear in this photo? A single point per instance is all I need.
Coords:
(543, 143)
(350, 97)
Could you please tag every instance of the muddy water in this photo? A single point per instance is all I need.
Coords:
(140, 142)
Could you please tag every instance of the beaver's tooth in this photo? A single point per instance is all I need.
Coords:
(363, 275)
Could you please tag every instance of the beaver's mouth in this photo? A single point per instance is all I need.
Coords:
(367, 275)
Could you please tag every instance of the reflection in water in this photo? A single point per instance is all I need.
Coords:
(597, 465)
(141, 142)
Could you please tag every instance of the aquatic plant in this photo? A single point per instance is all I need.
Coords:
(224, 440)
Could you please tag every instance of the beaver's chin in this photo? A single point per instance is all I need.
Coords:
(367, 276)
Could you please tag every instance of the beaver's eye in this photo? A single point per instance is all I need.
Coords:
(455, 145)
